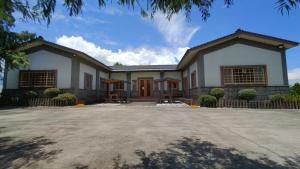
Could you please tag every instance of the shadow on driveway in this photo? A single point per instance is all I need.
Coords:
(15, 154)
(189, 153)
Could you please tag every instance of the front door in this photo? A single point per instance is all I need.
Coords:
(145, 87)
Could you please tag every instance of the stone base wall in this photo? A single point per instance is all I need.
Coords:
(89, 96)
(194, 94)
(262, 92)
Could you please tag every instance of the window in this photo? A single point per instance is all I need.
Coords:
(244, 75)
(37, 78)
(119, 85)
(193, 79)
(88, 81)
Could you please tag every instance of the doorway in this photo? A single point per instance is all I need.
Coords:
(145, 87)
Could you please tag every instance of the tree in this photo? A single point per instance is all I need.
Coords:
(9, 43)
(118, 64)
(44, 9)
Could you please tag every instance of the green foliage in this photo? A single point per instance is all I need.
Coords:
(9, 43)
(118, 64)
(277, 97)
(217, 92)
(296, 89)
(66, 98)
(39, 10)
(247, 94)
(207, 100)
(31, 94)
(52, 92)
(285, 98)
(292, 98)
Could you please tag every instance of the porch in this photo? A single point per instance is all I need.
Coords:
(143, 89)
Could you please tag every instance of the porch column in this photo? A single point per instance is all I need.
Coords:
(189, 81)
(97, 84)
(128, 74)
(284, 68)
(75, 74)
(162, 86)
(200, 77)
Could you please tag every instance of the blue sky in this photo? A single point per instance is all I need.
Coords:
(120, 34)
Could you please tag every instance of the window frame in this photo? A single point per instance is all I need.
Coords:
(31, 86)
(222, 68)
(85, 87)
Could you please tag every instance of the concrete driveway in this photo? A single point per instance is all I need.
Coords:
(149, 137)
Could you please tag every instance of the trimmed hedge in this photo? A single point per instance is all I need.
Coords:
(52, 92)
(247, 94)
(207, 100)
(285, 98)
(68, 98)
(31, 94)
(217, 92)
(277, 97)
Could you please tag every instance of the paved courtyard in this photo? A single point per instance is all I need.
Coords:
(138, 136)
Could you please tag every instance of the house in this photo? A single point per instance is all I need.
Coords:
(240, 60)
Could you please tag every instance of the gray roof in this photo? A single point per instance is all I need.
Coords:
(136, 68)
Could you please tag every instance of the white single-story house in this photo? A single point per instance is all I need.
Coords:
(240, 60)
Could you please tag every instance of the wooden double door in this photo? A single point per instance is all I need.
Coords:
(145, 87)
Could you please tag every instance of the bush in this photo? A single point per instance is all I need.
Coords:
(247, 94)
(52, 92)
(296, 89)
(292, 98)
(66, 98)
(277, 97)
(217, 92)
(31, 94)
(207, 100)
(285, 98)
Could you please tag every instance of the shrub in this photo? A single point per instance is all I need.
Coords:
(217, 92)
(66, 98)
(31, 94)
(207, 100)
(52, 92)
(277, 97)
(285, 98)
(247, 94)
(291, 98)
(296, 89)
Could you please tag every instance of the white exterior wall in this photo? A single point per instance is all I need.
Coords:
(240, 54)
(103, 75)
(136, 75)
(119, 76)
(45, 60)
(174, 75)
(86, 69)
(193, 67)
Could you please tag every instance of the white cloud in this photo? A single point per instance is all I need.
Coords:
(175, 30)
(294, 75)
(136, 56)
(59, 16)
